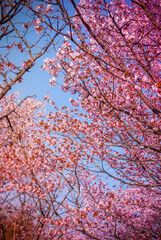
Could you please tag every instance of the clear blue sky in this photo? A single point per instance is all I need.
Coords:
(36, 82)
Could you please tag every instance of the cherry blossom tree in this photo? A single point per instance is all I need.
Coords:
(35, 191)
(48, 193)
(56, 164)
(19, 210)
(116, 72)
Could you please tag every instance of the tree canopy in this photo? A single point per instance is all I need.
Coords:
(56, 164)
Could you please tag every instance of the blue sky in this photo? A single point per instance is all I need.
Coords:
(36, 82)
